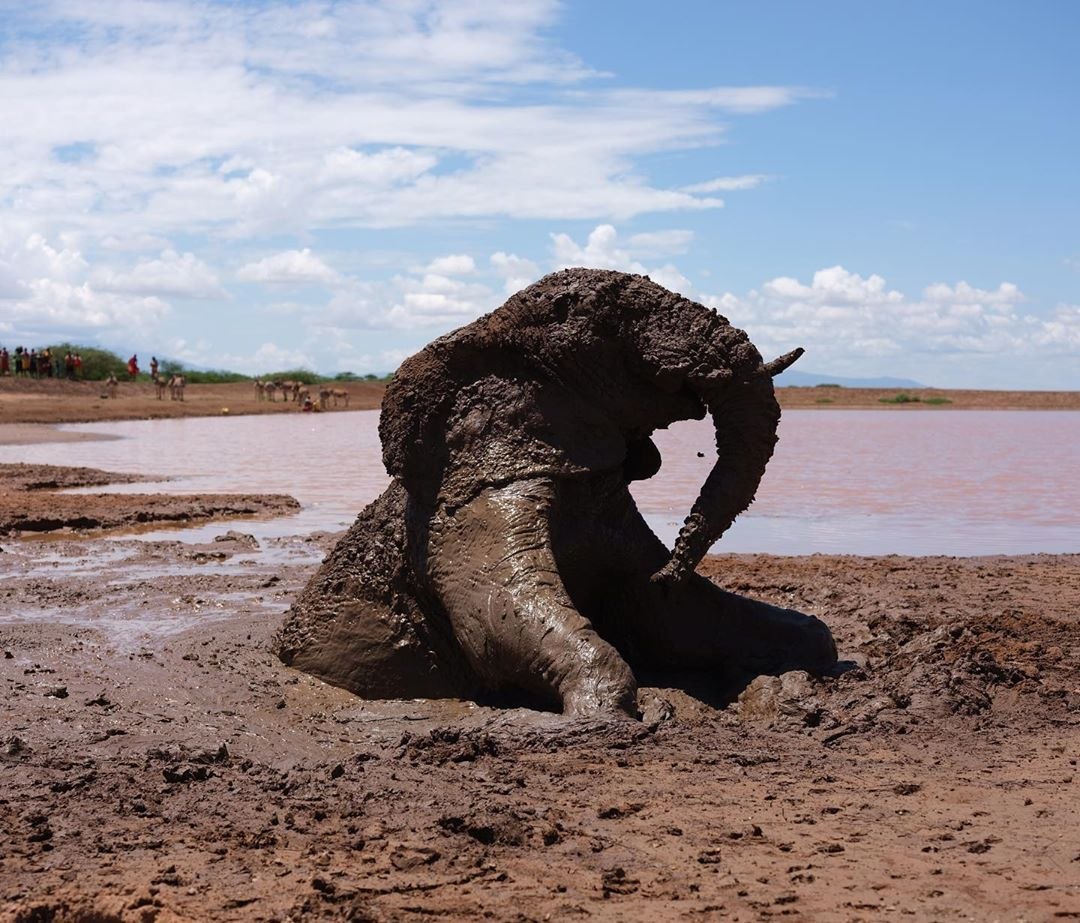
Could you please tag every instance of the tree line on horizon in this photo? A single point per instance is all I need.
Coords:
(99, 364)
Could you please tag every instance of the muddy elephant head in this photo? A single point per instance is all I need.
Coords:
(508, 550)
(575, 373)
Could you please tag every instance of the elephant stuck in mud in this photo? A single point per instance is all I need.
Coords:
(507, 556)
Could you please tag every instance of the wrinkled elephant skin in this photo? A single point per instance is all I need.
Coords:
(507, 556)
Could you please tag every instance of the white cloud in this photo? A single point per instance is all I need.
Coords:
(428, 301)
(459, 264)
(856, 324)
(172, 274)
(1005, 294)
(235, 119)
(659, 243)
(293, 267)
(728, 183)
(517, 272)
(604, 250)
(66, 309)
(268, 358)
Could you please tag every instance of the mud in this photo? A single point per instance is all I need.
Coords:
(158, 763)
(31, 502)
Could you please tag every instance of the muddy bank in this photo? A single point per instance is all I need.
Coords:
(156, 762)
(25, 400)
(30, 502)
(37, 433)
(52, 401)
(909, 399)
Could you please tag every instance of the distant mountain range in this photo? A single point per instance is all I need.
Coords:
(793, 379)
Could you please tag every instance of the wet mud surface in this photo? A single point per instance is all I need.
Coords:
(158, 763)
(30, 502)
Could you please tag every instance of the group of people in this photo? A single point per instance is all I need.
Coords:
(34, 363)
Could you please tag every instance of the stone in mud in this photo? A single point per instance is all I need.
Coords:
(789, 697)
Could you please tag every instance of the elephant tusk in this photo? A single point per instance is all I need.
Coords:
(780, 363)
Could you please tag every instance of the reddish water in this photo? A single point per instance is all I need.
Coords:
(858, 482)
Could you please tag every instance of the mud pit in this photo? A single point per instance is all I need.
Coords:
(157, 762)
(30, 502)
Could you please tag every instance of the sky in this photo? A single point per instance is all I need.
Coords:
(262, 186)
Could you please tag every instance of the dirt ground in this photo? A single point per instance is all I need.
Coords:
(157, 763)
(825, 398)
(30, 501)
(57, 401)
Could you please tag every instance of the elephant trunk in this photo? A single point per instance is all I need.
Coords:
(745, 416)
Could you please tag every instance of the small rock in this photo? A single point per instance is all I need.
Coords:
(616, 881)
(405, 858)
(57, 692)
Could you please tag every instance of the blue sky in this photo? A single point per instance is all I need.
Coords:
(257, 186)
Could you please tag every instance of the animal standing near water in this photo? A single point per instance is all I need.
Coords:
(177, 383)
(507, 554)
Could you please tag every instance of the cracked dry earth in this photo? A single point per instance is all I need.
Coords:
(158, 763)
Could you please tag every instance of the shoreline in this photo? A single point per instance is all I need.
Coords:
(32, 503)
(51, 401)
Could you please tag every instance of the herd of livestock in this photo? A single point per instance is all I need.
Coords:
(300, 393)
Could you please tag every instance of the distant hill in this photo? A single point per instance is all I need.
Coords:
(795, 379)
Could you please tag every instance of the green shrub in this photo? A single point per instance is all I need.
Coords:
(902, 398)
(828, 385)
(824, 400)
(936, 400)
(97, 364)
(306, 376)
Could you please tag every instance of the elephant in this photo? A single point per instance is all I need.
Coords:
(507, 556)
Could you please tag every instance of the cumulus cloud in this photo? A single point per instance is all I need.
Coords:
(172, 274)
(45, 293)
(605, 250)
(459, 264)
(858, 324)
(293, 267)
(425, 301)
(66, 310)
(516, 271)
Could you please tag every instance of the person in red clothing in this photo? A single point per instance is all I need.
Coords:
(5, 362)
(133, 367)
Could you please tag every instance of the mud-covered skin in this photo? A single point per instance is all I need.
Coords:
(508, 553)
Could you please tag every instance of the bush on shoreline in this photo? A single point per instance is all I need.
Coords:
(99, 364)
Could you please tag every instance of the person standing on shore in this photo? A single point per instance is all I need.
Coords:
(133, 367)
(77, 365)
(5, 362)
(153, 368)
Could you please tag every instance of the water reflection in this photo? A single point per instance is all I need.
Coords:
(856, 482)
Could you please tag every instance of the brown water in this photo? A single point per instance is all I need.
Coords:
(857, 482)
